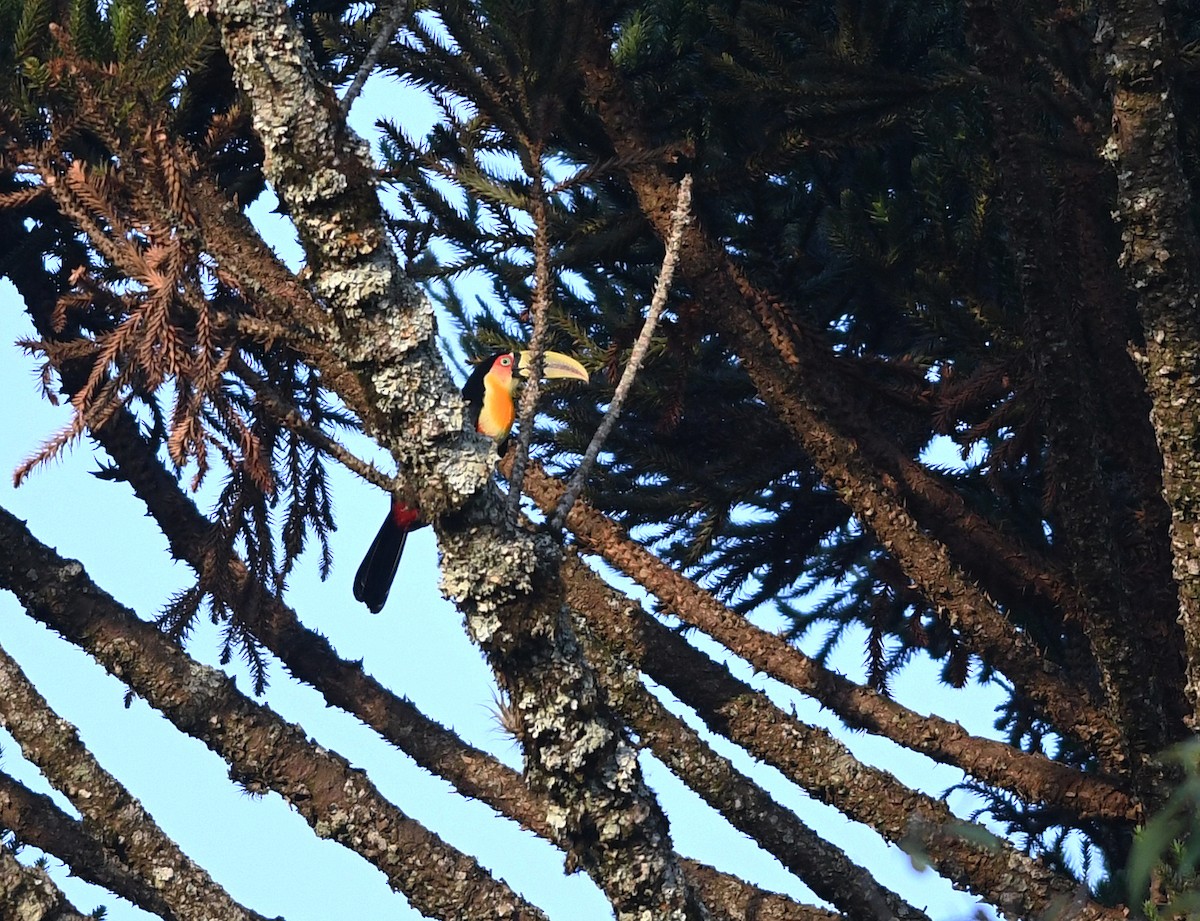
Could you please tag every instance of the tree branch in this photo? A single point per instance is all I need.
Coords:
(679, 218)
(736, 900)
(966, 854)
(1033, 777)
(29, 894)
(263, 751)
(52, 744)
(38, 822)
(391, 23)
(824, 867)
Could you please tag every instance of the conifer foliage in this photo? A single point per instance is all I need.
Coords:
(925, 384)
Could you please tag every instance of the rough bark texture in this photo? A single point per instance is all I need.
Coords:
(1155, 207)
(606, 818)
(52, 744)
(37, 822)
(309, 658)
(28, 894)
(1033, 777)
(263, 751)
(603, 815)
(824, 867)
(734, 900)
(1056, 249)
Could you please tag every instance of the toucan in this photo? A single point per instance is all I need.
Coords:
(489, 396)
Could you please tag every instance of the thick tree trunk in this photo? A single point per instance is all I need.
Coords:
(504, 581)
(1162, 251)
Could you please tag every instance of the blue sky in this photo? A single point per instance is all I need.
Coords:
(257, 847)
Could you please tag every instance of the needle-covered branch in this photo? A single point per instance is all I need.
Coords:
(263, 751)
(288, 414)
(53, 745)
(802, 397)
(1032, 776)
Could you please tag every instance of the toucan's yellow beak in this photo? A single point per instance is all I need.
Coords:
(554, 365)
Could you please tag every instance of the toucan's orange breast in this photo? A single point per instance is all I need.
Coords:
(498, 411)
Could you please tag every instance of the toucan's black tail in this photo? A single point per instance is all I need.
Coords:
(378, 568)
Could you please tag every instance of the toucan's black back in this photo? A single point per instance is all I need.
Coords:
(472, 391)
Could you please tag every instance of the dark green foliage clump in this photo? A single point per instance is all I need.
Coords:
(848, 159)
(914, 191)
(827, 145)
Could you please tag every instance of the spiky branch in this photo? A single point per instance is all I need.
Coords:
(30, 894)
(1032, 776)
(264, 751)
(52, 744)
(679, 218)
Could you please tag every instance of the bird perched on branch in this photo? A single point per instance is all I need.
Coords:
(489, 395)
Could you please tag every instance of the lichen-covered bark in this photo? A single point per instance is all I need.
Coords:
(602, 813)
(1155, 207)
(381, 326)
(263, 751)
(964, 853)
(503, 581)
(1032, 776)
(28, 894)
(36, 821)
(824, 867)
(52, 744)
